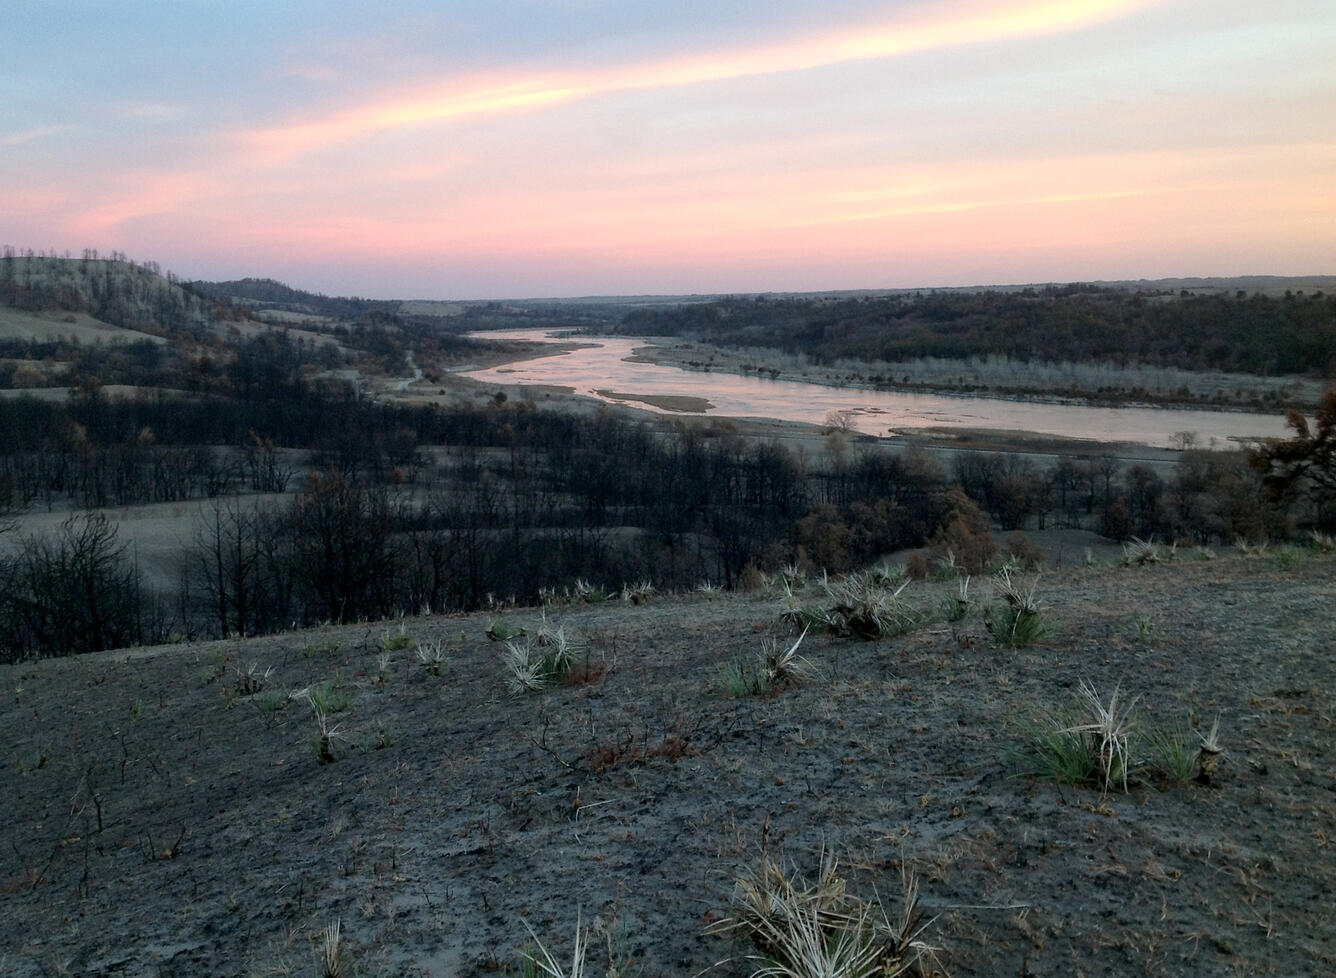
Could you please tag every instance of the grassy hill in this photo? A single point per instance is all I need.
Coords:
(168, 810)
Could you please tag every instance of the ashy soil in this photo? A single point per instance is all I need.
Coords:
(160, 820)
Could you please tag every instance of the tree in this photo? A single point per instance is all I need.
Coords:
(1308, 460)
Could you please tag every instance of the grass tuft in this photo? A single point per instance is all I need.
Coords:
(1020, 620)
(396, 641)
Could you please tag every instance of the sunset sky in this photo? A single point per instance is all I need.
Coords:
(497, 148)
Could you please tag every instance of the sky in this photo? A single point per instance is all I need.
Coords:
(524, 148)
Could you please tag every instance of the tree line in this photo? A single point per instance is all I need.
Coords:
(481, 504)
(1243, 333)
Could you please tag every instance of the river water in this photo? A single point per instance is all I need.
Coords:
(606, 367)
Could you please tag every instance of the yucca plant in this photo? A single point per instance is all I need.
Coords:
(1141, 552)
(432, 656)
(1209, 752)
(331, 957)
(539, 662)
(819, 930)
(1020, 620)
(776, 667)
(637, 593)
(1090, 743)
(547, 964)
(870, 611)
(251, 680)
(959, 607)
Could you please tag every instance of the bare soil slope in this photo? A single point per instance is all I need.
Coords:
(161, 821)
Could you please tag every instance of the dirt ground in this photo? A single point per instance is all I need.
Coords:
(162, 820)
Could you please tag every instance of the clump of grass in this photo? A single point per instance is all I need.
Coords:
(958, 607)
(271, 701)
(1243, 546)
(327, 647)
(326, 697)
(888, 575)
(1173, 754)
(251, 680)
(382, 668)
(860, 605)
(213, 671)
(802, 929)
(947, 567)
(432, 656)
(1090, 743)
(1096, 743)
(1323, 542)
(397, 640)
(1020, 620)
(707, 590)
(1146, 629)
(1289, 557)
(499, 630)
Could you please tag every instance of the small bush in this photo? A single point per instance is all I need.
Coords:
(1023, 550)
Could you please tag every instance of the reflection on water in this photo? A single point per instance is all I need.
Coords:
(605, 367)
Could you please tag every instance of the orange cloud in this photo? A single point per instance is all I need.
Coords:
(964, 23)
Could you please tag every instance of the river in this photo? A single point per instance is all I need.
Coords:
(608, 367)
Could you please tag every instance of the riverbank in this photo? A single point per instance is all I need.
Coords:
(1062, 384)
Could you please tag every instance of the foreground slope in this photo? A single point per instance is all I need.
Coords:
(160, 820)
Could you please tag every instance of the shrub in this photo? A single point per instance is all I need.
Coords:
(966, 532)
(1024, 551)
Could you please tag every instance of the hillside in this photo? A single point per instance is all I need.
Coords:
(117, 292)
(167, 811)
